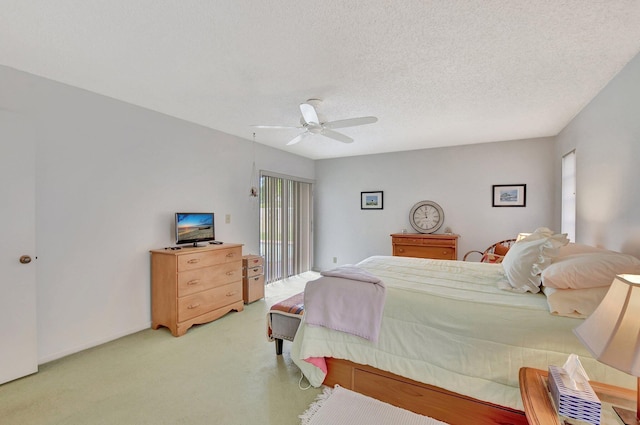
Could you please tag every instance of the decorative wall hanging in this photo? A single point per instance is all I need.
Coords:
(509, 195)
(371, 200)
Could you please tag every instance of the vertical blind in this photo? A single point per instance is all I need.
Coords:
(286, 239)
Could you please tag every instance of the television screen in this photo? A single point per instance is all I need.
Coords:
(194, 228)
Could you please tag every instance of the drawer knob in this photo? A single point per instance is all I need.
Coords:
(192, 306)
(193, 282)
(231, 294)
(229, 255)
(256, 269)
(256, 278)
(194, 261)
(400, 250)
(25, 259)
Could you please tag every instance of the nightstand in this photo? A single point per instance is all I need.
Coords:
(539, 408)
(252, 278)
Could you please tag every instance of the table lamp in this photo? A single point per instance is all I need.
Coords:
(612, 334)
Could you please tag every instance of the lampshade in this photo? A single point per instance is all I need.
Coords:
(612, 332)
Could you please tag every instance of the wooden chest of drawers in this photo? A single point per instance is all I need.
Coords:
(192, 286)
(439, 247)
(252, 278)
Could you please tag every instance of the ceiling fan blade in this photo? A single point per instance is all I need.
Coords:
(336, 136)
(275, 126)
(351, 122)
(309, 113)
(299, 138)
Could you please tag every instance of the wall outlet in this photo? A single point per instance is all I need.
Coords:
(335, 260)
(227, 218)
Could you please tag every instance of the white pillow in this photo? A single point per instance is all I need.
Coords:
(589, 270)
(528, 257)
(578, 248)
(578, 303)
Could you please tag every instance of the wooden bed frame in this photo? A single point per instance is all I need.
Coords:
(446, 406)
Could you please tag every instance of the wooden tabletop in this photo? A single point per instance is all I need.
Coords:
(539, 408)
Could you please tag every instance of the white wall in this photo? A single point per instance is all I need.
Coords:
(109, 178)
(606, 136)
(460, 179)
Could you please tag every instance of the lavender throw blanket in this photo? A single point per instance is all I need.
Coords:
(346, 299)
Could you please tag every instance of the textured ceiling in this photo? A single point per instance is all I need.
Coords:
(435, 73)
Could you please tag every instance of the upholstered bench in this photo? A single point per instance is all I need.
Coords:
(283, 320)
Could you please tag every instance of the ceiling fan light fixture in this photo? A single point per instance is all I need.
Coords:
(309, 113)
(312, 124)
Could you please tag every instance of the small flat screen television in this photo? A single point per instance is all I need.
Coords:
(194, 228)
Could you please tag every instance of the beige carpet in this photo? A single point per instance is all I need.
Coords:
(224, 372)
(339, 406)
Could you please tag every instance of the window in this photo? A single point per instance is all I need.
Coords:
(286, 236)
(569, 195)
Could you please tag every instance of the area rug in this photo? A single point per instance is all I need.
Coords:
(339, 406)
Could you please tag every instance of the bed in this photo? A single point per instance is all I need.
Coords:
(451, 342)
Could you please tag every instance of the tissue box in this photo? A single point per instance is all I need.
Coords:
(582, 404)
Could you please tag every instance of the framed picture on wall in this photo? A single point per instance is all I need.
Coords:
(509, 195)
(371, 200)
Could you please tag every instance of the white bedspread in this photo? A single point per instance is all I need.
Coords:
(447, 324)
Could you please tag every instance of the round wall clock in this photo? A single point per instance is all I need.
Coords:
(426, 216)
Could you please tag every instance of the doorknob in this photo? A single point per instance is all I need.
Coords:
(25, 259)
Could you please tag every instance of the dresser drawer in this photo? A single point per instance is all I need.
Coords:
(438, 253)
(252, 288)
(424, 242)
(253, 271)
(196, 260)
(192, 281)
(203, 302)
(254, 280)
(252, 261)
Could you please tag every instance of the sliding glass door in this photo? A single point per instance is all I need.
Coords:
(286, 232)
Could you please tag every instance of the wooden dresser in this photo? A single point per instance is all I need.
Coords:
(192, 286)
(423, 245)
(252, 278)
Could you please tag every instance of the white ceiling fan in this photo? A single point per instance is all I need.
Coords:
(313, 125)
